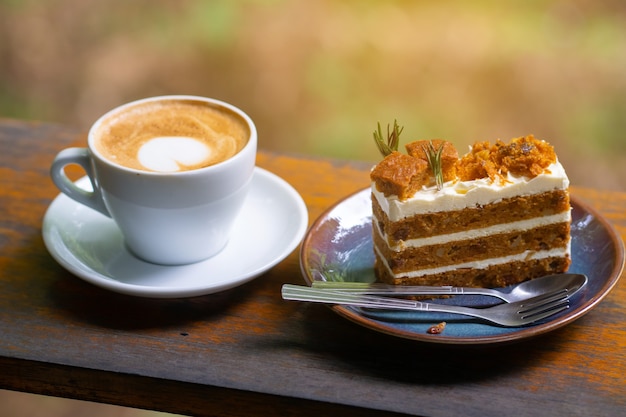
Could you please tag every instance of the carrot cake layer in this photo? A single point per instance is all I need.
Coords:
(549, 203)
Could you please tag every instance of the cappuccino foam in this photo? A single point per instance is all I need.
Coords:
(171, 136)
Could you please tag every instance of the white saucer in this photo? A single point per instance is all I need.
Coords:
(88, 244)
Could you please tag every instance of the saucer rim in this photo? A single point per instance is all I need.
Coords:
(87, 273)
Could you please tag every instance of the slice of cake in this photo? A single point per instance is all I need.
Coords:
(496, 216)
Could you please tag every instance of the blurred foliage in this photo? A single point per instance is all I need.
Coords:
(316, 76)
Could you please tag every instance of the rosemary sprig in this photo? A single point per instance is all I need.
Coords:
(393, 139)
(434, 162)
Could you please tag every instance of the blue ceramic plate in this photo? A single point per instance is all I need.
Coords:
(338, 246)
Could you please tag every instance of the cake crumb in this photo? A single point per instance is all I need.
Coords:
(437, 328)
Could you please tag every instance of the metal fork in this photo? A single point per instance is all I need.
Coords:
(507, 314)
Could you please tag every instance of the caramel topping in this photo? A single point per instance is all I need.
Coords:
(524, 156)
(403, 175)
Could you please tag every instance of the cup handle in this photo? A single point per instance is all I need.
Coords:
(78, 156)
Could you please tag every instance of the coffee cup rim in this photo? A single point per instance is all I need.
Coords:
(251, 143)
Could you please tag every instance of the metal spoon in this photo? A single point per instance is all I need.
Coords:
(510, 294)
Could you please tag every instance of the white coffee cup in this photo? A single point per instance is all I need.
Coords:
(168, 218)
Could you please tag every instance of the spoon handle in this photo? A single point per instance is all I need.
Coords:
(382, 289)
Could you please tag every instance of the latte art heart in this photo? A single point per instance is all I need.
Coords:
(167, 154)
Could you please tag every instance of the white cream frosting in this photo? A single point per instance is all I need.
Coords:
(458, 195)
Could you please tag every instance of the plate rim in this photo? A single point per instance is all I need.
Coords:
(523, 334)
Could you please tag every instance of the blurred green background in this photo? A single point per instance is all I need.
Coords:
(317, 76)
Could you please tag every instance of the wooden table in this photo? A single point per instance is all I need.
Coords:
(247, 352)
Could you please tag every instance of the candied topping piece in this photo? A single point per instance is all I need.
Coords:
(524, 156)
(477, 163)
(449, 155)
(400, 174)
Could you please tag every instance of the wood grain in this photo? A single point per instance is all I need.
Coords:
(245, 351)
